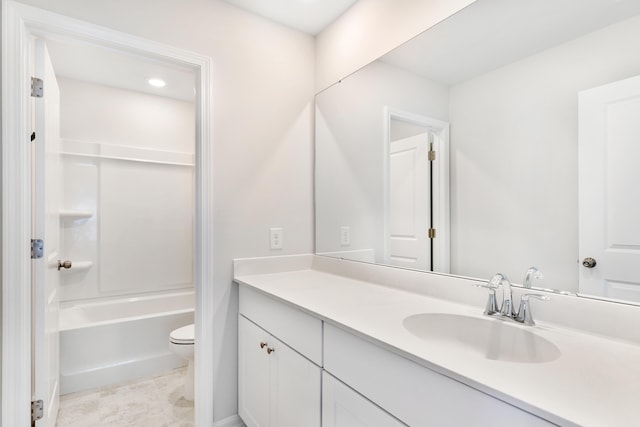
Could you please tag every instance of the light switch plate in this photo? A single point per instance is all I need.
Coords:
(275, 241)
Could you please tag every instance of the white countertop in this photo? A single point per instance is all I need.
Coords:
(594, 382)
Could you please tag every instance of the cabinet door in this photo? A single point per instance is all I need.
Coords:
(253, 374)
(343, 407)
(295, 388)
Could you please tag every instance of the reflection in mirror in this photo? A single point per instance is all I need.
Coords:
(416, 171)
(543, 110)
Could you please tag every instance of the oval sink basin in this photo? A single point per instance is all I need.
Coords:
(491, 338)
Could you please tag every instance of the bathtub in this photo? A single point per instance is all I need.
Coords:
(115, 340)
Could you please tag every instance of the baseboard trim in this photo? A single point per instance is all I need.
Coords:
(232, 421)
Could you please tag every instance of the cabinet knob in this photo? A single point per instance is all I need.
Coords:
(270, 350)
(263, 344)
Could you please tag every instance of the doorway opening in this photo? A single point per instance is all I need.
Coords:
(116, 199)
(162, 166)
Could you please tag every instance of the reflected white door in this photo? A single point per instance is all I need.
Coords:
(46, 226)
(609, 198)
(409, 214)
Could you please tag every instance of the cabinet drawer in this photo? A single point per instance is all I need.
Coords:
(295, 328)
(412, 393)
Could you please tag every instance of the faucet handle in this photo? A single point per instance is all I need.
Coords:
(492, 306)
(496, 281)
(524, 312)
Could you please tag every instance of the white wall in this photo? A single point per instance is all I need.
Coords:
(262, 89)
(128, 160)
(514, 153)
(371, 28)
(350, 150)
(106, 115)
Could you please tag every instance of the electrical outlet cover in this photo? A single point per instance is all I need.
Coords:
(275, 241)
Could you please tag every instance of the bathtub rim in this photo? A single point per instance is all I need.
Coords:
(78, 305)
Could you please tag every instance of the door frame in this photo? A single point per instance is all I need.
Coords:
(441, 218)
(19, 22)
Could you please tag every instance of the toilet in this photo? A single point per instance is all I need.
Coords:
(181, 343)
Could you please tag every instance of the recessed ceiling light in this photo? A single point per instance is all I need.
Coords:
(157, 82)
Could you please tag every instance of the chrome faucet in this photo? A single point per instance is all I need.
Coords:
(506, 309)
(523, 315)
(532, 273)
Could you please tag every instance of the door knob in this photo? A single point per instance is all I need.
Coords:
(64, 264)
(589, 262)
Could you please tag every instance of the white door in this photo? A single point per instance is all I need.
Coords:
(253, 374)
(609, 195)
(409, 191)
(46, 226)
(295, 388)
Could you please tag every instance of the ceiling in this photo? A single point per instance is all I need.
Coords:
(91, 63)
(451, 52)
(492, 33)
(308, 16)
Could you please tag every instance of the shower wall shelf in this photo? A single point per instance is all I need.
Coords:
(75, 214)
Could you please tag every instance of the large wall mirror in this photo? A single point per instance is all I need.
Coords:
(505, 137)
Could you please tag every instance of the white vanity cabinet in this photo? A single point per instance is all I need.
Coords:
(349, 320)
(414, 394)
(279, 373)
(296, 370)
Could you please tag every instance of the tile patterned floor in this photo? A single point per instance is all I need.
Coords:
(152, 402)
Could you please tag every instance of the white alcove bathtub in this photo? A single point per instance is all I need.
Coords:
(110, 341)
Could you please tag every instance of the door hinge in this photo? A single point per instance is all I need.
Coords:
(37, 410)
(33, 136)
(432, 233)
(432, 155)
(37, 87)
(37, 248)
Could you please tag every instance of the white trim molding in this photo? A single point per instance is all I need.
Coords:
(16, 224)
(19, 23)
(232, 421)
